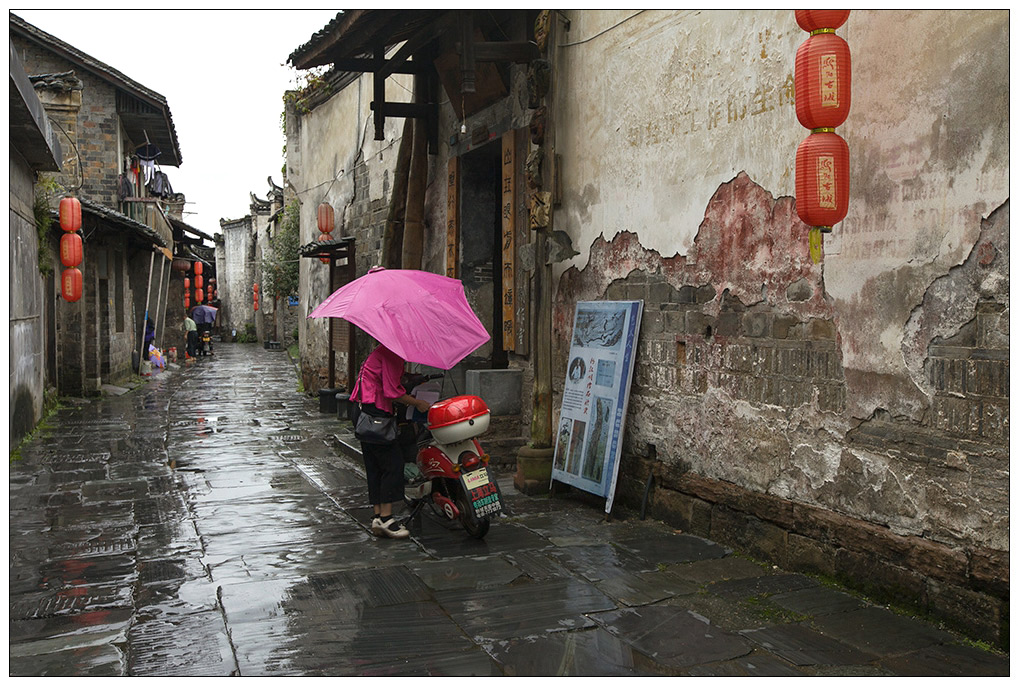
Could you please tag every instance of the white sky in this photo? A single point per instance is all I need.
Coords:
(223, 74)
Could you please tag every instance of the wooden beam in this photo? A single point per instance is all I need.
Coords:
(425, 35)
(518, 52)
(410, 110)
(467, 60)
(379, 92)
(371, 66)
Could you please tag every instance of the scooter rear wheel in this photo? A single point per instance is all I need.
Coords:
(475, 529)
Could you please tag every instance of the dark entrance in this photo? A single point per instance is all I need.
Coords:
(481, 255)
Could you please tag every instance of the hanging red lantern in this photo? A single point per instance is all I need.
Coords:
(198, 268)
(811, 20)
(187, 299)
(187, 283)
(198, 282)
(821, 180)
(181, 265)
(823, 81)
(70, 214)
(70, 249)
(326, 218)
(198, 295)
(71, 284)
(254, 287)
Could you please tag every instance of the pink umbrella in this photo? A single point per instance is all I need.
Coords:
(422, 317)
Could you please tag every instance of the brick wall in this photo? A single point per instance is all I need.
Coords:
(93, 127)
(740, 412)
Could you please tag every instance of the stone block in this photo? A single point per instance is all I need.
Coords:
(756, 324)
(501, 389)
(729, 324)
(976, 614)
(809, 555)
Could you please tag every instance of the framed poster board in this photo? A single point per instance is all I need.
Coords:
(595, 398)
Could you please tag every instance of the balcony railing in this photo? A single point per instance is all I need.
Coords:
(149, 211)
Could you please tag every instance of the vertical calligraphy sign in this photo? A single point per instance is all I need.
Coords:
(452, 233)
(508, 241)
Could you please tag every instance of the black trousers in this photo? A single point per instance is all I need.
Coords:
(192, 343)
(383, 466)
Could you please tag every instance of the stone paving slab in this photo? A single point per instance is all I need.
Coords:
(213, 522)
(672, 638)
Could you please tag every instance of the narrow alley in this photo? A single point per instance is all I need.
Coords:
(208, 522)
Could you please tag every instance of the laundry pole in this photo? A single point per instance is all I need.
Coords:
(159, 302)
(144, 321)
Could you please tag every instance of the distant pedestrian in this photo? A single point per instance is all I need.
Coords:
(191, 329)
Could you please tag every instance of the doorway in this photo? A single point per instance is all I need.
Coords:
(480, 265)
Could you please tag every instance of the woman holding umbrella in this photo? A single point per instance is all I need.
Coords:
(378, 386)
(416, 317)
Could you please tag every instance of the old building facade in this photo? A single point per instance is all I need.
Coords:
(845, 415)
(103, 119)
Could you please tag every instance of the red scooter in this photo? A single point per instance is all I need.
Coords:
(454, 475)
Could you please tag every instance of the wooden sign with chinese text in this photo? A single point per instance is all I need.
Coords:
(508, 241)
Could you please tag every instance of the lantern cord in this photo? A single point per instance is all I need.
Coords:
(77, 156)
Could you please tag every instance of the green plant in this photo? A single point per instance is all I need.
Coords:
(281, 264)
(46, 191)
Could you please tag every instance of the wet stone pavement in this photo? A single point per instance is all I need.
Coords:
(209, 522)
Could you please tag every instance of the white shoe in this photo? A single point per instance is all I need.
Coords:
(376, 526)
(392, 529)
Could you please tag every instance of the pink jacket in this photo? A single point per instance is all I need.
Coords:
(379, 379)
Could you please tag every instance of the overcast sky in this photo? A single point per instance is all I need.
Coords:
(223, 74)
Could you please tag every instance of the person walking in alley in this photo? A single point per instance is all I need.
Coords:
(378, 386)
(191, 330)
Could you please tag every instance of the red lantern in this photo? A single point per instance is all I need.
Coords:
(821, 180)
(198, 268)
(198, 295)
(71, 284)
(812, 20)
(823, 81)
(187, 301)
(70, 214)
(326, 218)
(254, 287)
(181, 265)
(187, 283)
(198, 282)
(70, 249)
(322, 238)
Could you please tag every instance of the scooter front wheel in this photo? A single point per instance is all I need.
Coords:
(475, 528)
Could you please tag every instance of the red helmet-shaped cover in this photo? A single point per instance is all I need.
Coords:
(456, 410)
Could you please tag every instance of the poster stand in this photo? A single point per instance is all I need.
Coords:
(599, 374)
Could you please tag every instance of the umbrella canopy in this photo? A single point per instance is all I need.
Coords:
(204, 314)
(422, 317)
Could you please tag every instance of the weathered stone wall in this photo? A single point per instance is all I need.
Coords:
(26, 379)
(848, 417)
(331, 156)
(235, 275)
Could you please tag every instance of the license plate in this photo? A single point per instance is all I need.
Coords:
(482, 492)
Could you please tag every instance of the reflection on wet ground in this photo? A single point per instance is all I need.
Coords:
(206, 524)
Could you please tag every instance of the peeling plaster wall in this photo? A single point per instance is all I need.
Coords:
(829, 406)
(331, 156)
